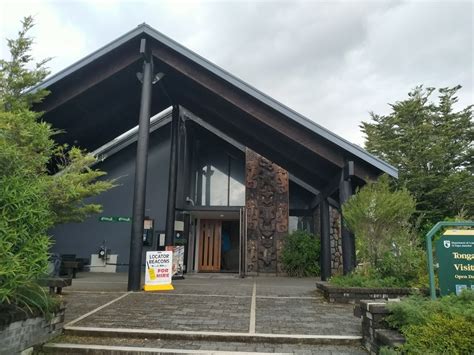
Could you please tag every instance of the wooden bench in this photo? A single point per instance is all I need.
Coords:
(70, 267)
(55, 283)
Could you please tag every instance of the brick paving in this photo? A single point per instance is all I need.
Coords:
(191, 313)
(79, 303)
(283, 306)
(305, 316)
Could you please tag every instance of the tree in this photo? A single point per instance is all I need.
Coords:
(381, 220)
(33, 198)
(376, 215)
(431, 144)
(32, 139)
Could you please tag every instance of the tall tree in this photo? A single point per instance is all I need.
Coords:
(431, 144)
(32, 198)
(31, 139)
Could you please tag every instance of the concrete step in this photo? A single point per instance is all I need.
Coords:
(74, 349)
(116, 346)
(213, 336)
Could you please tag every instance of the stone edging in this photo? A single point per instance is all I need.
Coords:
(20, 330)
(339, 294)
(375, 331)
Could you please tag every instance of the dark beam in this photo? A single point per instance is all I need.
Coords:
(325, 257)
(82, 83)
(266, 146)
(250, 105)
(330, 188)
(333, 184)
(300, 212)
(173, 169)
(333, 203)
(139, 194)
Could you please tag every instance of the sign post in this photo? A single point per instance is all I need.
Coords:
(158, 271)
(451, 265)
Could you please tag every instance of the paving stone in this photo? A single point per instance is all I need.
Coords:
(79, 303)
(283, 306)
(154, 311)
(319, 317)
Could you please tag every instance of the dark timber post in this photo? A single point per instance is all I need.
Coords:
(325, 240)
(170, 211)
(348, 240)
(345, 191)
(136, 240)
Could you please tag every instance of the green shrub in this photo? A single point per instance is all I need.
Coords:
(385, 239)
(24, 243)
(32, 199)
(405, 262)
(364, 280)
(385, 350)
(300, 255)
(376, 215)
(33, 297)
(442, 326)
(440, 335)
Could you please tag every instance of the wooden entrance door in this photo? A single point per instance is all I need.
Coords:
(210, 245)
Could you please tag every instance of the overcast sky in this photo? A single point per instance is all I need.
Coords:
(332, 61)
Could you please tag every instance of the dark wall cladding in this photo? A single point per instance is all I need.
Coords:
(300, 198)
(85, 238)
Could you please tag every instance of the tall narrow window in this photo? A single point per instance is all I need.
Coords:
(221, 179)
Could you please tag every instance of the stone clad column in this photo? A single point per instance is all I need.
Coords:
(267, 205)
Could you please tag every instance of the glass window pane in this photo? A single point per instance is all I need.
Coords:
(220, 176)
(215, 179)
(292, 224)
(237, 183)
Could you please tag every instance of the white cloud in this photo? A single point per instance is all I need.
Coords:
(332, 61)
(54, 36)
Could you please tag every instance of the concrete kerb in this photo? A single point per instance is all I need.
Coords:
(105, 349)
(214, 336)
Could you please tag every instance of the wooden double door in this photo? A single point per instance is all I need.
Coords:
(210, 245)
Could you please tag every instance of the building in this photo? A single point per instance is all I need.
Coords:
(230, 171)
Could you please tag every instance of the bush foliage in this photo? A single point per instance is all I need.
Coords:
(429, 140)
(386, 241)
(33, 198)
(300, 256)
(441, 326)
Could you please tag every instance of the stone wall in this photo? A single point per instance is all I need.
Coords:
(375, 331)
(19, 332)
(336, 241)
(335, 237)
(267, 205)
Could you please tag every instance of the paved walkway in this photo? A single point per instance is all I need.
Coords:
(270, 305)
(216, 304)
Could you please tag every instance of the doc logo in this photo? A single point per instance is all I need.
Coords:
(446, 243)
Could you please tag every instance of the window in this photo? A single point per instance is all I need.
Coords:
(220, 180)
(304, 223)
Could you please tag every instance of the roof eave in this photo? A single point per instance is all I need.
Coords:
(223, 74)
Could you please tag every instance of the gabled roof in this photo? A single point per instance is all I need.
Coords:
(345, 148)
(160, 120)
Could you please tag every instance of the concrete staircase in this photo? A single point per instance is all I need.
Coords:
(79, 340)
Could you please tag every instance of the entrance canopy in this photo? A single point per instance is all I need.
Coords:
(98, 98)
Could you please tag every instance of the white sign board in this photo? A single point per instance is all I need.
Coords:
(158, 270)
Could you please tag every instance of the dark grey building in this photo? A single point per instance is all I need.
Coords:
(230, 171)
